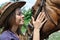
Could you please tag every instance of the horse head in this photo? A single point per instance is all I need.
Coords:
(52, 13)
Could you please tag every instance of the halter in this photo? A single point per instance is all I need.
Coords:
(40, 8)
(43, 5)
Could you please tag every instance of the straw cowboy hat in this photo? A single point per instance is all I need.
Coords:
(8, 8)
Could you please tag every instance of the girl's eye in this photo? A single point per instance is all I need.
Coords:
(19, 14)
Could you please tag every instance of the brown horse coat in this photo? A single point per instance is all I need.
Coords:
(53, 9)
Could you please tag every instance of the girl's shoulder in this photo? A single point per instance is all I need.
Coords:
(5, 36)
(8, 35)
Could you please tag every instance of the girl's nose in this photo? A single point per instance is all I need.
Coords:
(22, 16)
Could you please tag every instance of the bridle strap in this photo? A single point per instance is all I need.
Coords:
(43, 5)
(39, 9)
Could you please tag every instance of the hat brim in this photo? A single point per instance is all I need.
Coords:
(9, 9)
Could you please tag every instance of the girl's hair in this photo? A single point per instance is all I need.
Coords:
(7, 25)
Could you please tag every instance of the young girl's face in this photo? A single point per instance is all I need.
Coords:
(17, 18)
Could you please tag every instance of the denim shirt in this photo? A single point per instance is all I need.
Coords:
(8, 35)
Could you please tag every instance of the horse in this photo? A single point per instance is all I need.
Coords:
(51, 10)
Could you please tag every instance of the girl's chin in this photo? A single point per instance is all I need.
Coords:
(21, 23)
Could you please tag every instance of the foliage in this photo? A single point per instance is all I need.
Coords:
(0, 6)
(27, 14)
